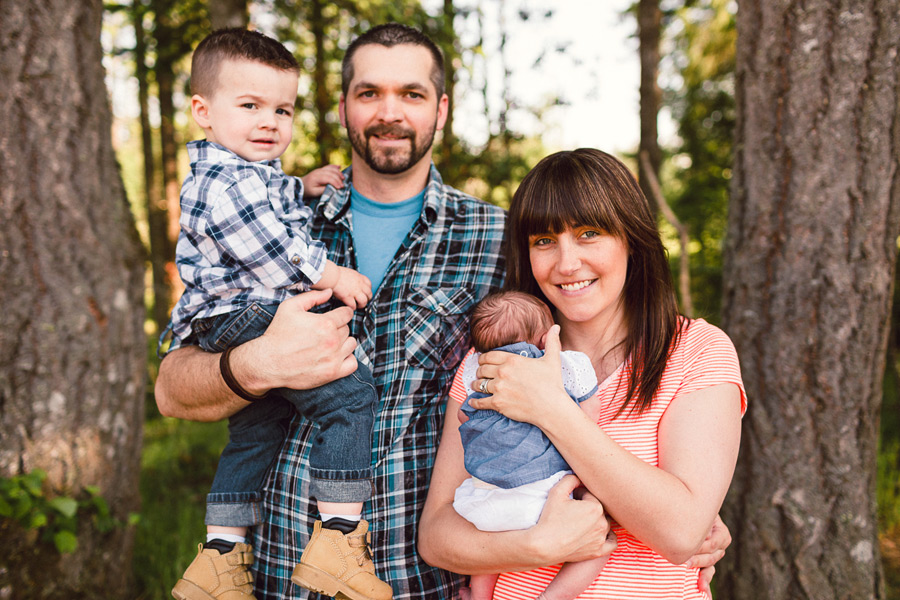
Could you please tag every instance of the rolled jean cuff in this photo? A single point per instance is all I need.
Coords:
(233, 513)
(233, 510)
(340, 486)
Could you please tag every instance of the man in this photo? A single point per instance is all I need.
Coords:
(412, 334)
(443, 254)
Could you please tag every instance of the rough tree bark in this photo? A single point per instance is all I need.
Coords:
(72, 346)
(809, 257)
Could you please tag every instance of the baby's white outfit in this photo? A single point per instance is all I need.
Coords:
(508, 506)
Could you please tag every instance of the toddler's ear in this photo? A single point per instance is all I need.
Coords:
(200, 110)
(543, 341)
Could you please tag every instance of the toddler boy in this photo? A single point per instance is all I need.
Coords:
(513, 464)
(244, 247)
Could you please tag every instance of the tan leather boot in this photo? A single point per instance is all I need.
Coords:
(339, 565)
(214, 576)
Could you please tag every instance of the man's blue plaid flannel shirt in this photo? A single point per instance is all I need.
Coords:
(413, 334)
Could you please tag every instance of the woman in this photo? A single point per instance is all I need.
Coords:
(582, 237)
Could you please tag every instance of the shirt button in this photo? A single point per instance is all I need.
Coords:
(296, 259)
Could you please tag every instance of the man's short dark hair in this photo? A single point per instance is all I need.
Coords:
(389, 35)
(235, 43)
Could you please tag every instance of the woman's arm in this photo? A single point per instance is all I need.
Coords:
(299, 350)
(669, 508)
(568, 530)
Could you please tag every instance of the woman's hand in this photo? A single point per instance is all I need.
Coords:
(521, 388)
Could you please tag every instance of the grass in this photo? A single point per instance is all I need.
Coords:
(177, 468)
(887, 487)
(180, 457)
(888, 496)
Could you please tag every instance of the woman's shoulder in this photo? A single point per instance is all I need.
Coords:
(701, 343)
(704, 356)
(699, 333)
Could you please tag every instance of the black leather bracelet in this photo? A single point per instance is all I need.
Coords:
(231, 382)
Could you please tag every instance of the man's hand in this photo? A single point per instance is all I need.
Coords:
(562, 538)
(315, 181)
(710, 552)
(299, 350)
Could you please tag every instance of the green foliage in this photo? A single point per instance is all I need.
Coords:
(887, 492)
(23, 498)
(178, 464)
(887, 489)
(705, 111)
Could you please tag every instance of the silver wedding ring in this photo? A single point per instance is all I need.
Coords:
(483, 386)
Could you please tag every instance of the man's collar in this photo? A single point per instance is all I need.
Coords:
(335, 202)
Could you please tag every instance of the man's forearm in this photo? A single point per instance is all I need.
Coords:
(190, 386)
(300, 350)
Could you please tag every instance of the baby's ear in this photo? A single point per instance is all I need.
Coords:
(543, 342)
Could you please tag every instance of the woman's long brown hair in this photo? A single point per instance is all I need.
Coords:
(587, 187)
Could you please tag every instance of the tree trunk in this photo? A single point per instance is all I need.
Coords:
(485, 90)
(165, 81)
(506, 101)
(452, 61)
(157, 211)
(72, 346)
(649, 20)
(228, 13)
(809, 258)
(323, 94)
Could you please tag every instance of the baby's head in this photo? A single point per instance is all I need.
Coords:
(244, 87)
(504, 318)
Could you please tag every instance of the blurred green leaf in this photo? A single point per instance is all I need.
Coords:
(65, 542)
(65, 506)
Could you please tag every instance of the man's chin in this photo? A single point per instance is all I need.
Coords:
(389, 165)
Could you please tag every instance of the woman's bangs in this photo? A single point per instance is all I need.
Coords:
(544, 214)
(567, 207)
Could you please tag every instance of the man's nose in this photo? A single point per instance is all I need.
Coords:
(389, 108)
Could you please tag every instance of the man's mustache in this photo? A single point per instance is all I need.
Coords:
(396, 131)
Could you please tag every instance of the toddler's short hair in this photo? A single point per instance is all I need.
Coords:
(235, 43)
(504, 318)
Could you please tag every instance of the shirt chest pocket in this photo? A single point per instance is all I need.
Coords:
(437, 326)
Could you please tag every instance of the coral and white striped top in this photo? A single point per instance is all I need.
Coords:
(704, 357)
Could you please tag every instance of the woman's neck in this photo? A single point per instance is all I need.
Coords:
(602, 342)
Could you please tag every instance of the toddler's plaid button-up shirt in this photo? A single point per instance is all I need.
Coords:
(244, 237)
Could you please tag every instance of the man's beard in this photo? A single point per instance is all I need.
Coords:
(390, 161)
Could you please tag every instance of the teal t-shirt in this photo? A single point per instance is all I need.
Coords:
(378, 230)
